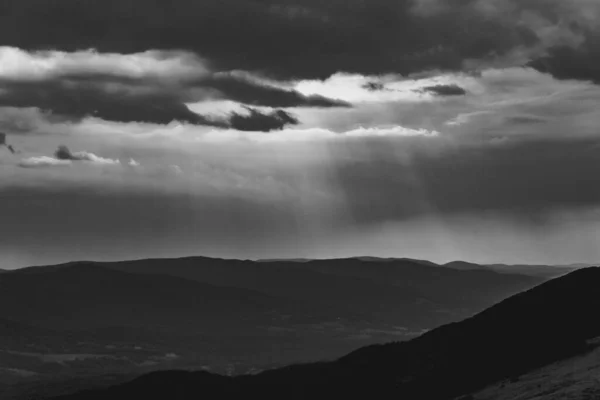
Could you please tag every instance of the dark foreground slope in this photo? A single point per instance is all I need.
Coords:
(575, 378)
(553, 321)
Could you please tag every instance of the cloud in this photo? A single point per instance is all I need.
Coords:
(151, 86)
(3, 143)
(374, 86)
(367, 98)
(309, 39)
(77, 101)
(43, 161)
(176, 169)
(74, 102)
(445, 90)
(570, 63)
(64, 157)
(465, 118)
(553, 36)
(18, 65)
(63, 153)
(523, 152)
(248, 90)
(255, 120)
(25, 120)
(320, 136)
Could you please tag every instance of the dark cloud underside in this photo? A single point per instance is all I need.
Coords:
(3, 143)
(300, 38)
(162, 107)
(64, 153)
(247, 92)
(257, 121)
(227, 86)
(565, 63)
(76, 102)
(445, 90)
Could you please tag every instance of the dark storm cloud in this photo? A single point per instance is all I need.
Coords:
(64, 153)
(251, 93)
(151, 86)
(523, 179)
(230, 86)
(444, 90)
(75, 100)
(3, 143)
(374, 86)
(314, 38)
(79, 101)
(568, 63)
(558, 37)
(262, 122)
(298, 39)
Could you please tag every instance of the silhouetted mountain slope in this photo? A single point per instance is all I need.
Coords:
(575, 378)
(84, 319)
(407, 293)
(550, 322)
(542, 271)
(14, 334)
(463, 265)
(348, 295)
(444, 286)
(393, 259)
(535, 270)
(85, 295)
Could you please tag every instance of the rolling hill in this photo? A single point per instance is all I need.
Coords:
(552, 322)
(86, 319)
(403, 292)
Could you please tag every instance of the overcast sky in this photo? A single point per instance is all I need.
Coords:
(434, 129)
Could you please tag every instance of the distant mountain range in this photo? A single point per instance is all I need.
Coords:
(543, 271)
(550, 323)
(538, 270)
(86, 319)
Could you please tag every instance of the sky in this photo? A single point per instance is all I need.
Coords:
(432, 129)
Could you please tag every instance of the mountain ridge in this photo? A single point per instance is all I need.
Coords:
(170, 313)
(528, 330)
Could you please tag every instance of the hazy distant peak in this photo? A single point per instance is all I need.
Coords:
(463, 265)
